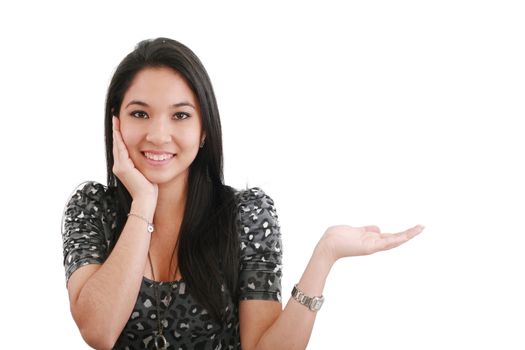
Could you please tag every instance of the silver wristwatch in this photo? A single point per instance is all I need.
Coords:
(312, 303)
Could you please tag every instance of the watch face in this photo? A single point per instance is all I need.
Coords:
(316, 304)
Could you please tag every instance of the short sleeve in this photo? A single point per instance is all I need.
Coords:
(260, 247)
(85, 230)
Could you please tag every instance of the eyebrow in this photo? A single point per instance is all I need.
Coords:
(179, 104)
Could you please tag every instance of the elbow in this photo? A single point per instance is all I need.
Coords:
(98, 339)
(95, 333)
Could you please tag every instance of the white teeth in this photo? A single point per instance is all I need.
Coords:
(158, 156)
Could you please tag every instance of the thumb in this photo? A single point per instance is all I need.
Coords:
(372, 228)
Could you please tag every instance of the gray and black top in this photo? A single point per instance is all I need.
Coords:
(88, 230)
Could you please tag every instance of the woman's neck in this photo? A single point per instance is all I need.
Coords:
(171, 202)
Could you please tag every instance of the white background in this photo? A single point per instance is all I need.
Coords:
(393, 113)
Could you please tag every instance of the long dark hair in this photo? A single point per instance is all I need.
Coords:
(207, 242)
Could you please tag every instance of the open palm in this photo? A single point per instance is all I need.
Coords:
(344, 240)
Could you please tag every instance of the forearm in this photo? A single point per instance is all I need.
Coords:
(107, 298)
(293, 327)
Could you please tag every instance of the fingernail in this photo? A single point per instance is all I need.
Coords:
(421, 227)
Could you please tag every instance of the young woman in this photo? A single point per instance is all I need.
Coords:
(166, 256)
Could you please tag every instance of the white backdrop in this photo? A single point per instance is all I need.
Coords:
(393, 113)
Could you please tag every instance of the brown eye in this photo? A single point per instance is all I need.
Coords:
(181, 115)
(135, 113)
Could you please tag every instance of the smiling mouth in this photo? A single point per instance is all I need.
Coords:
(157, 157)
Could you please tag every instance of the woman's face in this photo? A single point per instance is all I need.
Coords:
(160, 114)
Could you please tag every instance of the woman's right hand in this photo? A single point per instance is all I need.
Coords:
(134, 181)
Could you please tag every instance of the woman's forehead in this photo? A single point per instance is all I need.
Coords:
(159, 85)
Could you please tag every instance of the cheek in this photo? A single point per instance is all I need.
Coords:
(183, 142)
(129, 138)
(125, 137)
(189, 137)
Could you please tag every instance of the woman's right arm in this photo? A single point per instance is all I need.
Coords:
(102, 297)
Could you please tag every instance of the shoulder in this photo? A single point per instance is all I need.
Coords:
(90, 196)
(87, 226)
(90, 190)
(90, 208)
(256, 213)
(254, 199)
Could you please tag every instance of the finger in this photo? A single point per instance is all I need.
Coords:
(123, 151)
(392, 240)
(411, 232)
(115, 148)
(372, 228)
(389, 242)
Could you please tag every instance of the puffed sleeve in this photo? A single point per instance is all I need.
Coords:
(260, 247)
(85, 227)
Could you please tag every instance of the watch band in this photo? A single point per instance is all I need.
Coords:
(312, 303)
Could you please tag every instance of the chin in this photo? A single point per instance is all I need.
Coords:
(164, 178)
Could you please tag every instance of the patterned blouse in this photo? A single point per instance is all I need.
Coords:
(88, 230)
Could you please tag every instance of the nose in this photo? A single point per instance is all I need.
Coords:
(158, 130)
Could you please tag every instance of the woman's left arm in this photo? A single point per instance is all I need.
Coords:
(262, 323)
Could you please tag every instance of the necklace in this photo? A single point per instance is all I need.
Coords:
(160, 341)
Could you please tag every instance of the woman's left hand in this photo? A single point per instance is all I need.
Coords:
(342, 240)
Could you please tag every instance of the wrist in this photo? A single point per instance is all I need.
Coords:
(313, 303)
(314, 277)
(144, 208)
(324, 252)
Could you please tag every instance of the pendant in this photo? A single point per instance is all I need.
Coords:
(160, 342)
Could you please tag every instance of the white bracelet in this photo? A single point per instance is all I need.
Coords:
(150, 224)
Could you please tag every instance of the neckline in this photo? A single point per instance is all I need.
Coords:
(144, 278)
